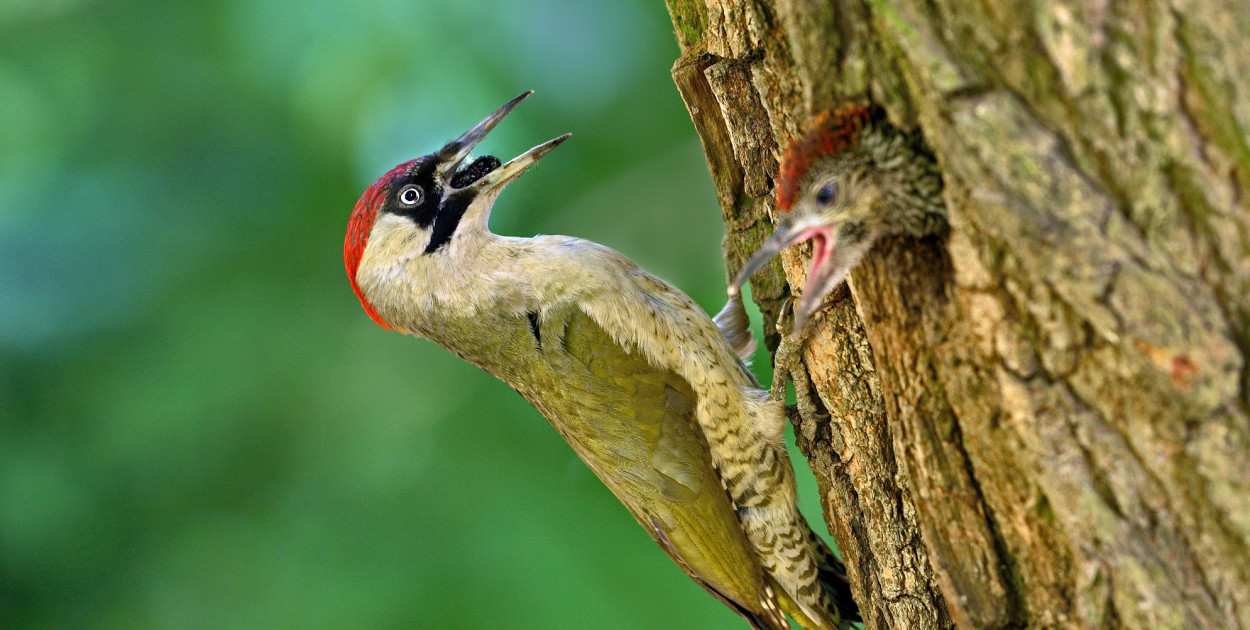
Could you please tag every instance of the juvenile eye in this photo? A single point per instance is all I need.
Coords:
(825, 195)
(410, 195)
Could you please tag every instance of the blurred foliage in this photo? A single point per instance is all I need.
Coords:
(199, 426)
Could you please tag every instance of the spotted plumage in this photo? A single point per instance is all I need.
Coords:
(633, 374)
(850, 179)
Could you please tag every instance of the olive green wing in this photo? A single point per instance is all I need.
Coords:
(634, 425)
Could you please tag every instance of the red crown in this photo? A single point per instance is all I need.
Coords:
(358, 228)
(833, 132)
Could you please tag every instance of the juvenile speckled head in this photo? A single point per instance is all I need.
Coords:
(418, 207)
(851, 178)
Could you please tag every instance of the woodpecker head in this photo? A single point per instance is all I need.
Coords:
(850, 179)
(406, 224)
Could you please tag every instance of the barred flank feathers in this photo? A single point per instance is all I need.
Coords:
(832, 576)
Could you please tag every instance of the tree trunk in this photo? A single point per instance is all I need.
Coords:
(1040, 420)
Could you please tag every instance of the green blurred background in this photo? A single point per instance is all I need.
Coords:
(199, 426)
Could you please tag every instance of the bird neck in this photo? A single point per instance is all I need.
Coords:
(477, 273)
(911, 183)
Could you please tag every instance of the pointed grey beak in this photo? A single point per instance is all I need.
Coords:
(785, 235)
(515, 167)
(830, 260)
(454, 152)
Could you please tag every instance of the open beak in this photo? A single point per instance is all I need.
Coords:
(513, 169)
(453, 153)
(819, 276)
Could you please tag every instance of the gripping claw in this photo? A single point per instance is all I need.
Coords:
(788, 364)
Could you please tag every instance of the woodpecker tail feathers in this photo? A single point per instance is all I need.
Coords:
(831, 574)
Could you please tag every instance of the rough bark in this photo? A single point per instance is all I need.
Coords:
(1041, 420)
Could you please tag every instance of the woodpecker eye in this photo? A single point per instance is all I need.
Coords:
(825, 195)
(410, 195)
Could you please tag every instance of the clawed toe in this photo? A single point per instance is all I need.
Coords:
(788, 365)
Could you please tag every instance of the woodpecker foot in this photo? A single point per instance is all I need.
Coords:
(788, 364)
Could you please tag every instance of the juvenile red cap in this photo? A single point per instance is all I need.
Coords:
(358, 228)
(833, 132)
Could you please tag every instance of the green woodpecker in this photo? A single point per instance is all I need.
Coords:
(851, 179)
(637, 379)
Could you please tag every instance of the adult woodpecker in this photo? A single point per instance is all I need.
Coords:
(851, 179)
(637, 379)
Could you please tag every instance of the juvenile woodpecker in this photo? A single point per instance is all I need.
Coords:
(635, 377)
(851, 179)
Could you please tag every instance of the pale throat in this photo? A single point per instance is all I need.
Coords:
(476, 274)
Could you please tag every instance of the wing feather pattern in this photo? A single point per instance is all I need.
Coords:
(634, 425)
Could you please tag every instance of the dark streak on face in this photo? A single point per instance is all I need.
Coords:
(457, 201)
(449, 215)
(439, 211)
(424, 213)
